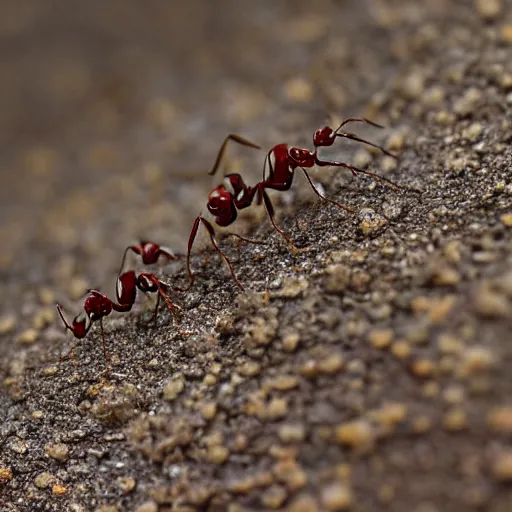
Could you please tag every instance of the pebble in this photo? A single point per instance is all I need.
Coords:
(7, 323)
(381, 338)
(331, 364)
(173, 389)
(274, 497)
(5, 474)
(249, 369)
(506, 220)
(126, 484)
(489, 303)
(303, 503)
(209, 410)
(499, 419)
(455, 420)
(218, 454)
(502, 466)
(57, 451)
(469, 100)
(506, 33)
(477, 359)
(276, 409)
(285, 383)
(337, 496)
(290, 341)
(401, 349)
(423, 367)
(290, 473)
(337, 278)
(370, 222)
(356, 434)
(27, 337)
(59, 490)
(473, 131)
(488, 9)
(292, 433)
(44, 480)
(148, 506)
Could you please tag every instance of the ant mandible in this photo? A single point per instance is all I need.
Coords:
(233, 194)
(97, 306)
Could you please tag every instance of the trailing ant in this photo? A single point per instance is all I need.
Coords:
(97, 306)
(234, 194)
(150, 253)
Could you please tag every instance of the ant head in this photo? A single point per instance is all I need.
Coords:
(220, 201)
(302, 157)
(80, 325)
(126, 288)
(97, 306)
(323, 137)
(150, 252)
(146, 283)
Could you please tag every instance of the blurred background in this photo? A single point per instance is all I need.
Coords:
(112, 112)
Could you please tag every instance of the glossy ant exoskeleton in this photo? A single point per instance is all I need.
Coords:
(150, 253)
(97, 306)
(234, 194)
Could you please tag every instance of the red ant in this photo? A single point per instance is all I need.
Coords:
(97, 305)
(150, 252)
(233, 194)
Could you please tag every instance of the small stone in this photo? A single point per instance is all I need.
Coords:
(445, 276)
(57, 451)
(276, 409)
(249, 369)
(488, 9)
(421, 424)
(59, 490)
(489, 303)
(356, 434)
(209, 379)
(18, 446)
(337, 496)
(331, 364)
(27, 337)
(381, 338)
(303, 503)
(476, 360)
(291, 341)
(391, 414)
(5, 474)
(290, 473)
(173, 389)
(499, 420)
(412, 85)
(473, 131)
(298, 89)
(44, 480)
(401, 349)
(148, 506)
(370, 222)
(449, 344)
(292, 433)
(285, 383)
(126, 484)
(455, 420)
(337, 278)
(274, 497)
(7, 324)
(469, 101)
(502, 466)
(423, 368)
(506, 219)
(218, 454)
(506, 33)
(209, 410)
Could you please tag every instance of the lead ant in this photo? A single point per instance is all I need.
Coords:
(97, 306)
(234, 194)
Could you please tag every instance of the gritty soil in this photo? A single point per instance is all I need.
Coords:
(368, 371)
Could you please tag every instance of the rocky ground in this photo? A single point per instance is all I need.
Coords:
(369, 371)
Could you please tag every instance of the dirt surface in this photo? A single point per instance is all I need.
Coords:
(370, 371)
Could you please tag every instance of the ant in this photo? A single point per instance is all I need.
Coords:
(97, 306)
(150, 253)
(234, 194)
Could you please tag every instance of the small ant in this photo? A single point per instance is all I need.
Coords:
(233, 194)
(150, 253)
(97, 305)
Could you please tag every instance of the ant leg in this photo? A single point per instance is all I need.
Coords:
(105, 351)
(355, 171)
(248, 240)
(191, 239)
(271, 215)
(133, 248)
(211, 232)
(222, 150)
(153, 318)
(353, 136)
(173, 308)
(323, 198)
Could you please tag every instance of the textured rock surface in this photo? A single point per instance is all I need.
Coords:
(369, 371)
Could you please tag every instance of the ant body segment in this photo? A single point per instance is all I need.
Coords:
(150, 253)
(234, 194)
(97, 306)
